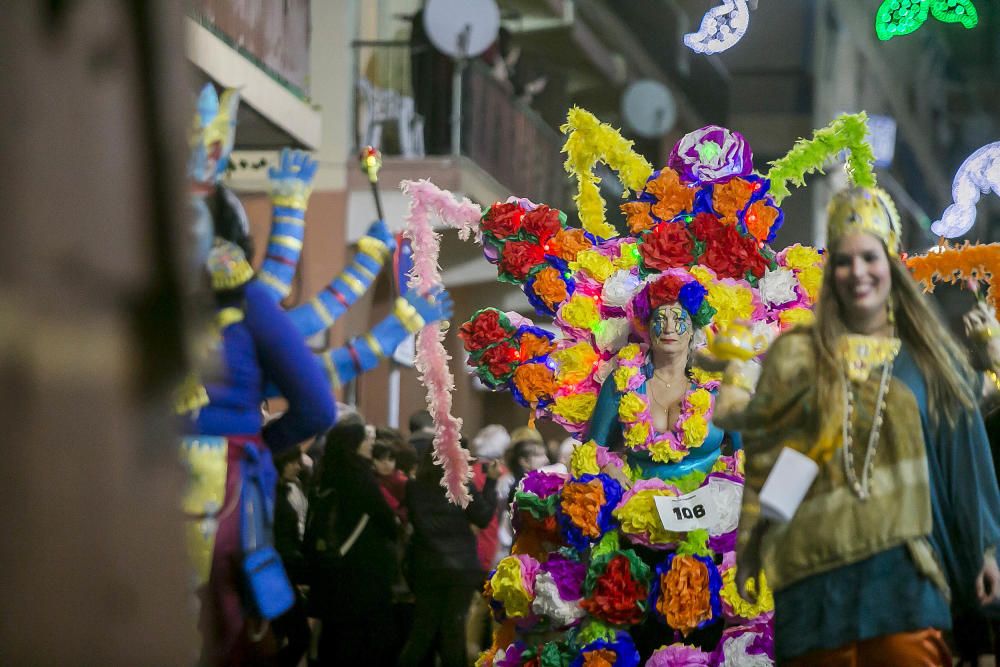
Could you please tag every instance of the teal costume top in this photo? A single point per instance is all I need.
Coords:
(606, 430)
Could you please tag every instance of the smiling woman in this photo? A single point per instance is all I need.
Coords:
(905, 504)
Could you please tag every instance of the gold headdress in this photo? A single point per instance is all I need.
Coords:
(866, 209)
(228, 266)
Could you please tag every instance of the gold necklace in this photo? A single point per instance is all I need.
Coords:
(862, 487)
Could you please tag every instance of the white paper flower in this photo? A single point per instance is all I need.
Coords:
(734, 653)
(547, 602)
(777, 287)
(612, 334)
(620, 287)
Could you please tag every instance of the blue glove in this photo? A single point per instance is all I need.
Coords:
(294, 165)
(434, 307)
(380, 231)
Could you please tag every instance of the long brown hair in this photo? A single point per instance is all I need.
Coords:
(942, 363)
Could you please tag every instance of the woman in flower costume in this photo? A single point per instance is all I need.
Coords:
(595, 577)
(903, 515)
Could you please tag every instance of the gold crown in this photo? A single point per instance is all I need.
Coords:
(228, 266)
(867, 209)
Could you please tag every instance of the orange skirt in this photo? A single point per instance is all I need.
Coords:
(920, 648)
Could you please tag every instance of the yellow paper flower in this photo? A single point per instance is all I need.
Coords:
(701, 376)
(661, 452)
(731, 302)
(629, 352)
(638, 516)
(508, 588)
(700, 400)
(811, 278)
(802, 257)
(575, 408)
(796, 316)
(580, 312)
(575, 363)
(622, 375)
(629, 256)
(583, 460)
(636, 435)
(593, 262)
(631, 406)
(703, 275)
(742, 608)
(695, 431)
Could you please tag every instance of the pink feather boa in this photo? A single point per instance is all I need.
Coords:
(432, 358)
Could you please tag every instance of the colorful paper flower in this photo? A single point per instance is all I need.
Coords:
(548, 289)
(711, 154)
(575, 408)
(518, 259)
(616, 588)
(746, 646)
(533, 342)
(685, 592)
(567, 243)
(575, 363)
(512, 585)
(637, 216)
(611, 334)
(620, 288)
(679, 655)
(730, 198)
(595, 264)
(638, 518)
(760, 218)
(585, 508)
(542, 223)
(503, 220)
(617, 652)
(486, 327)
(580, 312)
(666, 246)
(672, 196)
(777, 287)
(534, 383)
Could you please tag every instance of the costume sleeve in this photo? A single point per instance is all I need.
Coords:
(605, 428)
(362, 353)
(284, 246)
(289, 364)
(971, 500)
(322, 310)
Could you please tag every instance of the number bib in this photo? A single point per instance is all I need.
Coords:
(714, 507)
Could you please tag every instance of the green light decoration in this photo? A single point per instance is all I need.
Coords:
(901, 17)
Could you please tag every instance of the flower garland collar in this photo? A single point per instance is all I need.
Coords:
(687, 433)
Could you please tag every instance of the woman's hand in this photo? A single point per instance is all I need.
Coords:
(983, 332)
(988, 581)
(748, 564)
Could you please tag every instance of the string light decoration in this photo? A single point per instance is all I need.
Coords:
(721, 28)
(901, 17)
(979, 174)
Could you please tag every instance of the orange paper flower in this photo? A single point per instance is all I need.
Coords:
(534, 346)
(730, 198)
(673, 196)
(567, 243)
(686, 599)
(759, 219)
(535, 382)
(550, 288)
(582, 504)
(599, 658)
(637, 216)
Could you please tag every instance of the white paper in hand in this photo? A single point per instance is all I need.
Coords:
(787, 484)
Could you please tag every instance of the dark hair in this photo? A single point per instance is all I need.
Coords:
(514, 454)
(389, 435)
(406, 458)
(419, 420)
(427, 470)
(383, 450)
(341, 451)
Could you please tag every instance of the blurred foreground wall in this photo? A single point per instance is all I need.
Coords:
(92, 134)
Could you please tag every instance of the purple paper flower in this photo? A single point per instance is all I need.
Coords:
(542, 484)
(679, 655)
(712, 154)
(568, 575)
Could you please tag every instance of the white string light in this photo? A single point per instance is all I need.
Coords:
(979, 174)
(721, 28)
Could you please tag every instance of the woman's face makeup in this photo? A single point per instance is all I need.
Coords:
(671, 328)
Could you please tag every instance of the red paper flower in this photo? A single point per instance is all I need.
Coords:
(499, 360)
(666, 247)
(503, 220)
(727, 252)
(483, 330)
(542, 223)
(706, 226)
(617, 594)
(520, 257)
(665, 290)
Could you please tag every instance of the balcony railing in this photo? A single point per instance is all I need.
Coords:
(500, 133)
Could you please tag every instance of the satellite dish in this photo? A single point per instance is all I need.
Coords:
(462, 28)
(649, 108)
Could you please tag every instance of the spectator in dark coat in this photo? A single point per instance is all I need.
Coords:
(291, 629)
(443, 565)
(350, 538)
